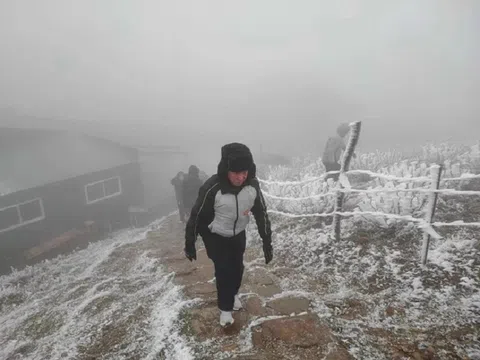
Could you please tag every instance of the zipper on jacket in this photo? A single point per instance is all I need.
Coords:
(235, 223)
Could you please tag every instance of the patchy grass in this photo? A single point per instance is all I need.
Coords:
(12, 299)
(42, 324)
(376, 295)
(185, 321)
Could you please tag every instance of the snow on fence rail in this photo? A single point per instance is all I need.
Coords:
(343, 187)
(375, 191)
(372, 174)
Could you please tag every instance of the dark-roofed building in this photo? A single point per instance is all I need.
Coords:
(56, 186)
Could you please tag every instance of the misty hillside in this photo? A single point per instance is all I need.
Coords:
(126, 135)
(368, 294)
(103, 103)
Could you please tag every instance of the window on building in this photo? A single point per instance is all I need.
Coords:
(95, 192)
(104, 189)
(21, 214)
(31, 210)
(112, 186)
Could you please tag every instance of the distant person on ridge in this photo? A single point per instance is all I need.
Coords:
(177, 183)
(220, 215)
(334, 148)
(191, 185)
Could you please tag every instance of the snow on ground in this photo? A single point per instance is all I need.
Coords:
(114, 299)
(110, 298)
(378, 269)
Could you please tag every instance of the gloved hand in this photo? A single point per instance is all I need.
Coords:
(268, 252)
(190, 251)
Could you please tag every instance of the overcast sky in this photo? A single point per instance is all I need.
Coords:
(408, 69)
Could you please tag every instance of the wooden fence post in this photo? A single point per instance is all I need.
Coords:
(435, 173)
(346, 159)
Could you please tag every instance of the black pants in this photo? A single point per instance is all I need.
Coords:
(227, 257)
(181, 210)
(332, 167)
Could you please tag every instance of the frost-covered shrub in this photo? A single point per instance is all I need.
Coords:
(455, 160)
(307, 198)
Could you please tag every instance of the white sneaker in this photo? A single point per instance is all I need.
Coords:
(226, 318)
(237, 304)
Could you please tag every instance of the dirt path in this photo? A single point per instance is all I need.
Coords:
(273, 324)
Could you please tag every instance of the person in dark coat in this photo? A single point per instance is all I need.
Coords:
(220, 215)
(334, 149)
(190, 188)
(177, 183)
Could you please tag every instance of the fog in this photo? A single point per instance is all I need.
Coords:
(280, 74)
(178, 79)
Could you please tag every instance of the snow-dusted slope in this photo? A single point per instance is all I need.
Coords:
(377, 263)
(111, 296)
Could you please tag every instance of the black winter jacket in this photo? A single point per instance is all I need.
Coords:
(203, 212)
(191, 186)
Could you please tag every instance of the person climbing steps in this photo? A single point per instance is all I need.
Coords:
(220, 215)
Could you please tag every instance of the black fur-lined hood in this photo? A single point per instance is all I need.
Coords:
(236, 157)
